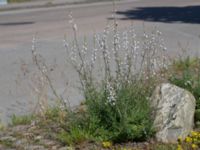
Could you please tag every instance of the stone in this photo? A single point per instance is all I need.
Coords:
(20, 128)
(36, 147)
(20, 142)
(1, 147)
(54, 147)
(66, 148)
(48, 142)
(173, 112)
(38, 138)
(8, 138)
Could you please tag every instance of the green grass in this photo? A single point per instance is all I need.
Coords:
(21, 120)
(18, 1)
(74, 136)
(2, 127)
(164, 147)
(6, 143)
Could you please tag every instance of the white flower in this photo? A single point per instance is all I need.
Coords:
(111, 94)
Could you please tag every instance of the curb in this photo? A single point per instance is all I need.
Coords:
(12, 7)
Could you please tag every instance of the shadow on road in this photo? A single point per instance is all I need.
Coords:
(188, 14)
(16, 23)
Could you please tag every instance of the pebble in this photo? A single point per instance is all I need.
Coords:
(8, 138)
(35, 147)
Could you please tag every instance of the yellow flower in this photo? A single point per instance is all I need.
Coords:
(194, 134)
(179, 147)
(194, 146)
(107, 144)
(188, 139)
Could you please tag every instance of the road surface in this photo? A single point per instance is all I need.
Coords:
(179, 20)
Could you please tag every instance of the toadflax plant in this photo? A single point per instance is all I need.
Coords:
(117, 73)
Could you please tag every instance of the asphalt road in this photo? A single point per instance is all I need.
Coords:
(179, 21)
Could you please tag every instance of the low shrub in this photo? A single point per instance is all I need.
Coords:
(185, 73)
(123, 113)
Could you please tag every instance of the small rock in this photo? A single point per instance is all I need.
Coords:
(1, 147)
(54, 147)
(38, 137)
(29, 135)
(20, 128)
(48, 142)
(35, 147)
(8, 138)
(20, 142)
(66, 148)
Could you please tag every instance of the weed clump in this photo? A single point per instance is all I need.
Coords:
(21, 120)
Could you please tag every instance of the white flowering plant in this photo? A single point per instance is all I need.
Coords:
(117, 76)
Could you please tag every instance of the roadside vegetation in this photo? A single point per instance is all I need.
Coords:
(185, 73)
(117, 80)
(18, 1)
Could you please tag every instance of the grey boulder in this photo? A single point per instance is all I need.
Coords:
(173, 112)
